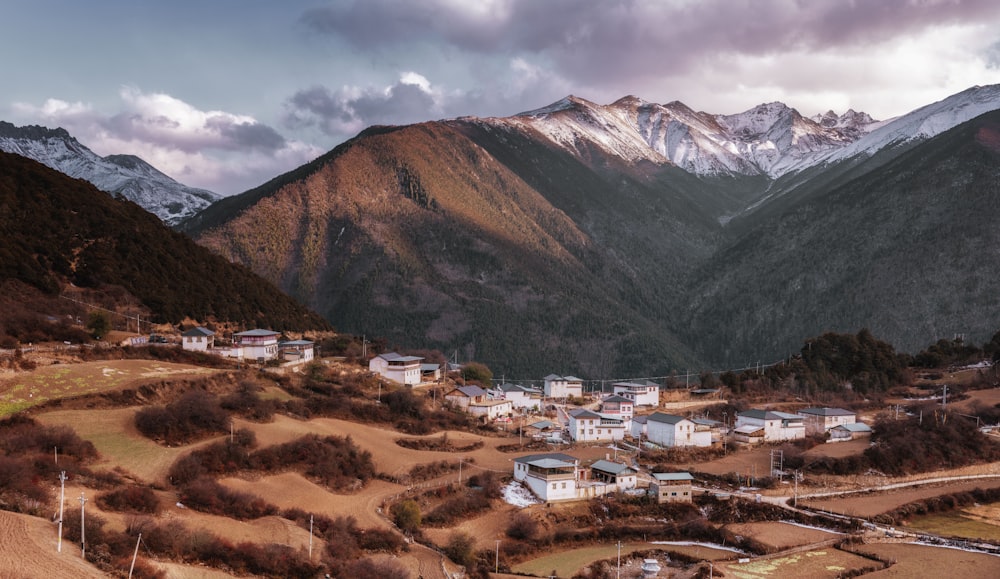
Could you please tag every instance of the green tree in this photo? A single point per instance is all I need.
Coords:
(460, 548)
(476, 372)
(99, 324)
(406, 515)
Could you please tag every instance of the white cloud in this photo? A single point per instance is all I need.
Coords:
(216, 150)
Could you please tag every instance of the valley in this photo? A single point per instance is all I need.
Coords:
(577, 535)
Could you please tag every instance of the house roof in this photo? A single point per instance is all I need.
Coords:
(664, 418)
(544, 425)
(296, 343)
(572, 379)
(672, 476)
(551, 377)
(617, 398)
(583, 413)
(854, 427)
(706, 422)
(612, 467)
(514, 388)
(394, 357)
(639, 419)
(199, 331)
(827, 412)
(770, 415)
(430, 367)
(532, 458)
(749, 429)
(257, 333)
(551, 463)
(470, 391)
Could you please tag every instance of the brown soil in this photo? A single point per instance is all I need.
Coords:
(878, 503)
(28, 549)
(923, 561)
(780, 535)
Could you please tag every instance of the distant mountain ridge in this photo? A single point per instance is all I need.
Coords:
(59, 231)
(125, 175)
(630, 238)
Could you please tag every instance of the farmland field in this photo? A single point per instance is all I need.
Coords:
(878, 503)
(59, 381)
(914, 560)
(974, 522)
(816, 564)
(567, 563)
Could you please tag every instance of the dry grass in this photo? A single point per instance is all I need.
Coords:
(816, 564)
(924, 561)
(876, 504)
(29, 550)
(60, 381)
(780, 535)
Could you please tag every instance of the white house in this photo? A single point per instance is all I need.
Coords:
(643, 393)
(778, 426)
(198, 339)
(622, 476)
(563, 386)
(821, 420)
(672, 487)
(491, 409)
(589, 426)
(850, 431)
(465, 396)
(551, 477)
(670, 430)
(519, 396)
(400, 369)
(297, 350)
(640, 426)
(260, 345)
(619, 406)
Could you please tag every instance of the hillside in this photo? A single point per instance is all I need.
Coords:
(634, 238)
(58, 230)
(905, 250)
(124, 175)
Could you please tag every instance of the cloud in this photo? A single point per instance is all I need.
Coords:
(347, 110)
(216, 150)
(610, 48)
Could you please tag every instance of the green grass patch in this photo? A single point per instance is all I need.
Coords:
(954, 524)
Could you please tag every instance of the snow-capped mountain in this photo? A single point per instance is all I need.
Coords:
(770, 139)
(923, 123)
(125, 175)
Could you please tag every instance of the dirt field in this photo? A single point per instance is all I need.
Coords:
(875, 504)
(781, 535)
(68, 380)
(924, 561)
(567, 563)
(816, 564)
(29, 550)
(989, 397)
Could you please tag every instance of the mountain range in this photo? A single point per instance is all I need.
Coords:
(125, 175)
(636, 238)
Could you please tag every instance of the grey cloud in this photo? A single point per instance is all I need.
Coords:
(993, 56)
(338, 113)
(620, 39)
(246, 135)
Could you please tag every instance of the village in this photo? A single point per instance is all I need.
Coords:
(628, 415)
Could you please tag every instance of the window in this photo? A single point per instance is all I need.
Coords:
(564, 485)
(554, 486)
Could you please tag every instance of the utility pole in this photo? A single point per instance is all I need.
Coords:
(944, 398)
(134, 555)
(618, 574)
(496, 565)
(310, 537)
(460, 459)
(795, 496)
(83, 527)
(62, 499)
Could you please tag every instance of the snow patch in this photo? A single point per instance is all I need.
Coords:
(515, 494)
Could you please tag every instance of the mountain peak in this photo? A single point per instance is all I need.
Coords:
(125, 175)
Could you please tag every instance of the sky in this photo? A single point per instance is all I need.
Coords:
(227, 94)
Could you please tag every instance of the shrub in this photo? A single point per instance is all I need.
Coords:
(406, 515)
(133, 499)
(460, 549)
(195, 415)
(522, 527)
